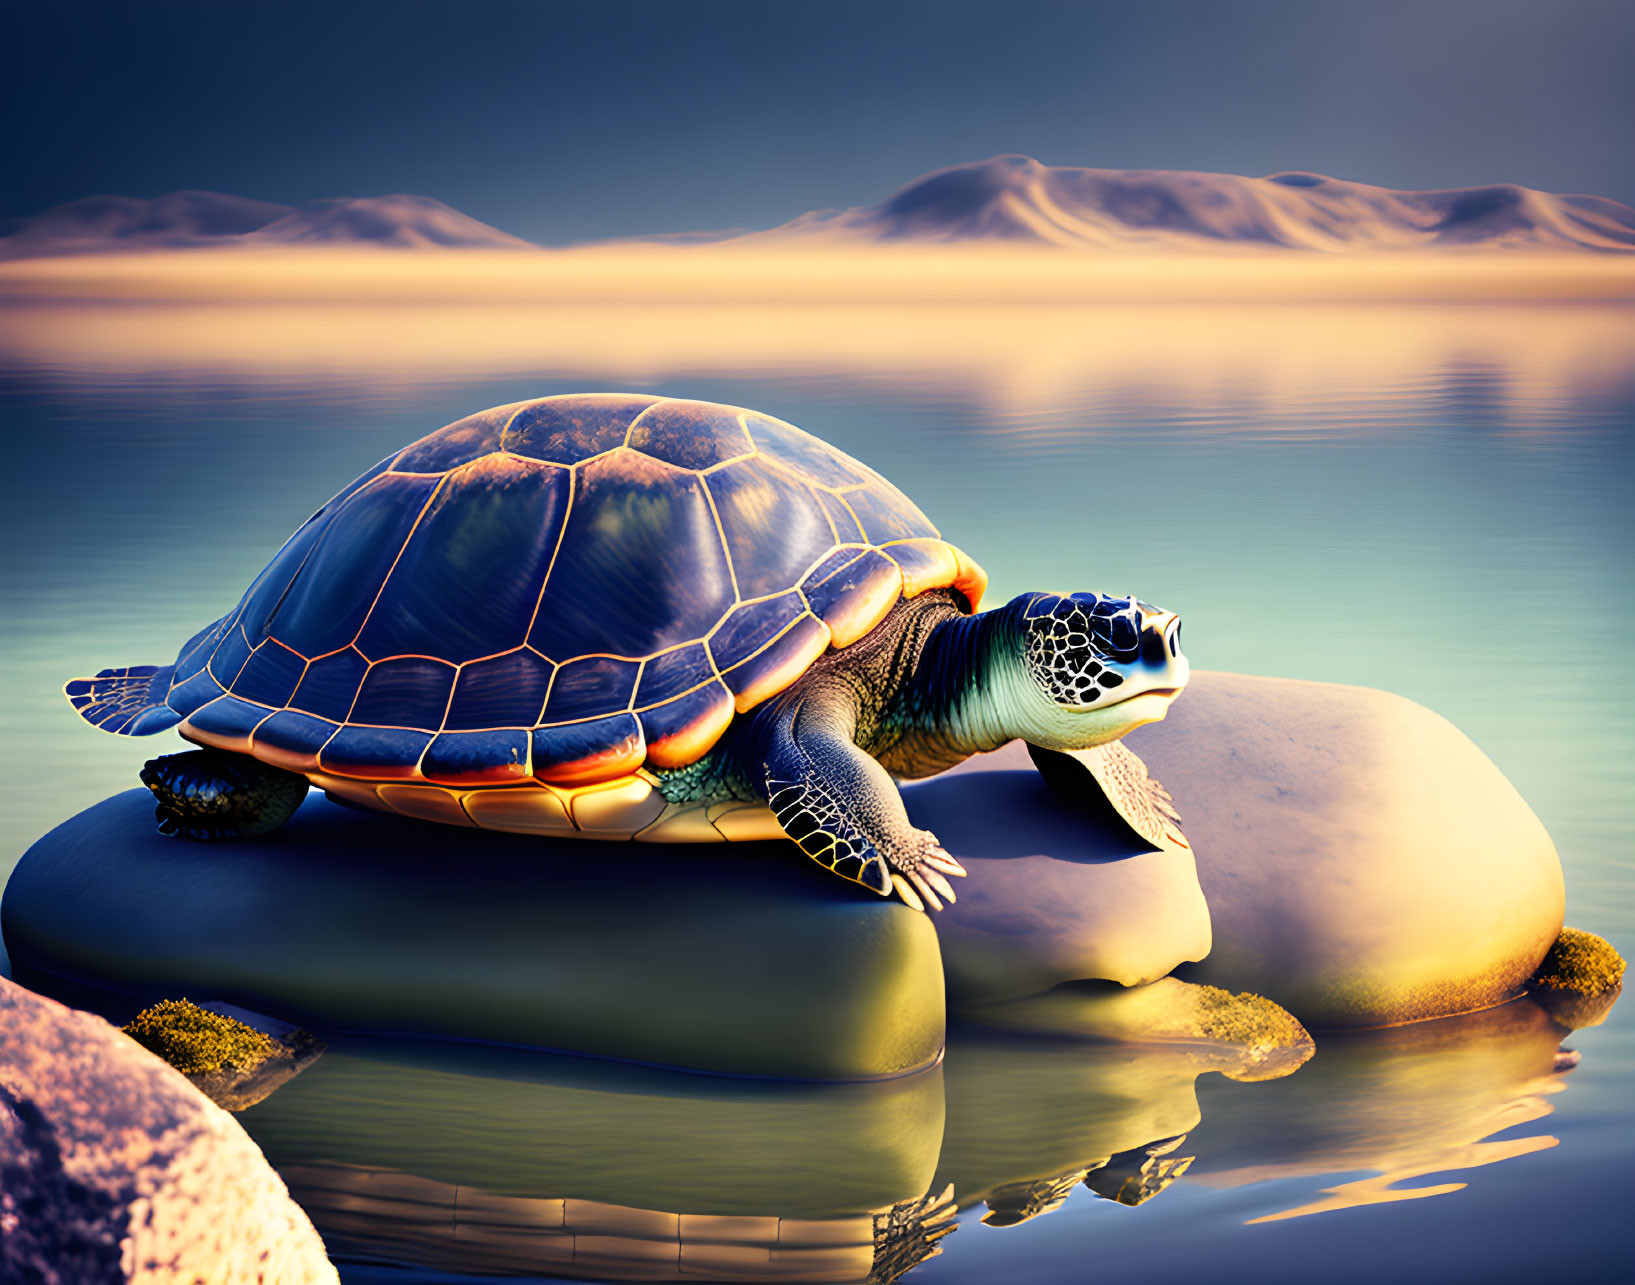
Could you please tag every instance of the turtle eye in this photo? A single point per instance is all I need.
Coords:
(1070, 647)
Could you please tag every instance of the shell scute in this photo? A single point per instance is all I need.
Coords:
(195, 693)
(470, 574)
(374, 753)
(270, 675)
(329, 596)
(683, 730)
(748, 628)
(566, 430)
(855, 598)
(641, 566)
(670, 673)
(925, 564)
(595, 750)
(478, 758)
(459, 443)
(501, 691)
(811, 456)
(589, 687)
(693, 435)
(778, 664)
(291, 741)
(227, 721)
(842, 557)
(229, 657)
(424, 803)
(887, 514)
(774, 525)
(331, 684)
(848, 530)
(406, 691)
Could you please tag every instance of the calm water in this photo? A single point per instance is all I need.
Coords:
(1431, 501)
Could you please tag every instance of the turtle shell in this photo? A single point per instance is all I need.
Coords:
(558, 590)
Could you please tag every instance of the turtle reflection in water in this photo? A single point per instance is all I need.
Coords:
(622, 616)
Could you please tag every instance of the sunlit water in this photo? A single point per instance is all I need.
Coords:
(1431, 501)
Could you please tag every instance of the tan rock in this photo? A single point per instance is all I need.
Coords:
(1364, 862)
(112, 1166)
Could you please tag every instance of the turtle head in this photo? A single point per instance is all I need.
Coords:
(1088, 668)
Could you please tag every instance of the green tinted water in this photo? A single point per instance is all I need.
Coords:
(1451, 522)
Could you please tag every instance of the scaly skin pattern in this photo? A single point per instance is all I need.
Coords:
(815, 754)
(896, 718)
(929, 686)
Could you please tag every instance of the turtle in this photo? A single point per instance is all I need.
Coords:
(627, 616)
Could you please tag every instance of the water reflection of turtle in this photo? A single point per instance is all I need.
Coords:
(1130, 1177)
(618, 615)
(382, 1214)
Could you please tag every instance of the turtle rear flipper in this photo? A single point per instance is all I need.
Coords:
(1113, 778)
(126, 702)
(208, 794)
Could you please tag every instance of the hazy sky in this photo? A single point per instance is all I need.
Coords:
(563, 122)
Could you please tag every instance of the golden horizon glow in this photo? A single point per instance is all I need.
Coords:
(772, 272)
(1021, 364)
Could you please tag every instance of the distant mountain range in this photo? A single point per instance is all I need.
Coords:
(1008, 199)
(1016, 199)
(188, 220)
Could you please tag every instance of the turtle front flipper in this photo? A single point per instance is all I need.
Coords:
(844, 810)
(1113, 777)
(209, 794)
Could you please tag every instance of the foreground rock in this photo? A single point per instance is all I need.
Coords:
(112, 1167)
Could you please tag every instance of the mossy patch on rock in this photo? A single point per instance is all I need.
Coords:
(1247, 1036)
(196, 1041)
(1247, 1019)
(1579, 979)
(1580, 962)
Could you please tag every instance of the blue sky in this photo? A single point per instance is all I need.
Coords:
(563, 122)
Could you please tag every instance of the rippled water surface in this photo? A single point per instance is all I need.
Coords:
(1432, 501)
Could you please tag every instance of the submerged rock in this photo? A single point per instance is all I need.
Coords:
(112, 1167)
(1247, 1037)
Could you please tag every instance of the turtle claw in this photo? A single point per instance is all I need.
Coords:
(924, 867)
(905, 890)
(938, 859)
(930, 876)
(927, 894)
